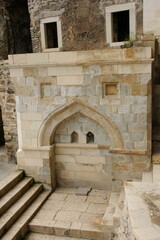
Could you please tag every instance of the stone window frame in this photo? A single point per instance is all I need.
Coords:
(43, 35)
(132, 21)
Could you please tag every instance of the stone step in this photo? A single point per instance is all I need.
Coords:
(9, 182)
(19, 229)
(14, 194)
(109, 213)
(15, 211)
(38, 236)
(156, 173)
(88, 231)
(147, 177)
(118, 211)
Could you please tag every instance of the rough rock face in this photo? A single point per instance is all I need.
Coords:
(83, 21)
(7, 102)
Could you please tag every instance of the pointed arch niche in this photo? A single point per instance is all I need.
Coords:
(77, 164)
(48, 127)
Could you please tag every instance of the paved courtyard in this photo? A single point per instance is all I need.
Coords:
(64, 211)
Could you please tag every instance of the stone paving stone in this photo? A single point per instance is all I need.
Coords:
(98, 199)
(81, 191)
(74, 198)
(43, 214)
(53, 204)
(89, 217)
(58, 196)
(62, 228)
(96, 208)
(75, 206)
(67, 216)
(97, 192)
(65, 190)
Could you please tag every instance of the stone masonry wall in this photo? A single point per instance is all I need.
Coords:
(75, 159)
(8, 107)
(82, 125)
(46, 82)
(83, 22)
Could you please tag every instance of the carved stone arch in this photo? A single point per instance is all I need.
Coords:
(50, 124)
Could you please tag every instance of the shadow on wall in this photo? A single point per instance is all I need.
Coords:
(2, 141)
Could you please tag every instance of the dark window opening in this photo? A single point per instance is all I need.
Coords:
(120, 26)
(2, 141)
(51, 35)
(90, 137)
(74, 137)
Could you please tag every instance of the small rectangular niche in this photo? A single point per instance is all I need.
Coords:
(110, 89)
(46, 90)
(51, 35)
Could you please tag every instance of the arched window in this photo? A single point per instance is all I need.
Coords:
(90, 137)
(74, 137)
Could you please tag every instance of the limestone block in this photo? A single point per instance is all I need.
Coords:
(10, 59)
(58, 71)
(70, 80)
(31, 116)
(79, 168)
(30, 72)
(20, 153)
(65, 158)
(60, 100)
(42, 71)
(21, 162)
(37, 162)
(16, 72)
(124, 69)
(33, 154)
(75, 91)
(37, 58)
(65, 138)
(65, 151)
(32, 108)
(139, 108)
(90, 160)
(29, 81)
(137, 136)
(63, 57)
(142, 68)
(66, 174)
(19, 59)
(21, 108)
(82, 138)
(90, 152)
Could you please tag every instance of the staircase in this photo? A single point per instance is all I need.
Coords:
(20, 200)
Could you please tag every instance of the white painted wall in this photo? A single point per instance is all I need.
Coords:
(151, 16)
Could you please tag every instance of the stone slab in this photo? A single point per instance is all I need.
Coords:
(83, 191)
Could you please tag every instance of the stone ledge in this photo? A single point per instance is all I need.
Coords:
(129, 152)
(76, 145)
(80, 57)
